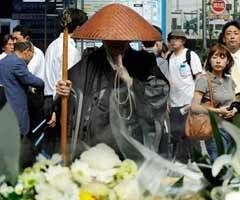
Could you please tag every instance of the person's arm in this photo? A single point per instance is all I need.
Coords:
(197, 107)
(196, 65)
(25, 77)
(63, 88)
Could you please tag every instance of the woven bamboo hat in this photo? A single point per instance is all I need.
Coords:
(118, 23)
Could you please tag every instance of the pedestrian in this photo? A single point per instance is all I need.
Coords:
(7, 45)
(116, 68)
(230, 37)
(218, 66)
(184, 67)
(36, 66)
(156, 47)
(16, 80)
(53, 73)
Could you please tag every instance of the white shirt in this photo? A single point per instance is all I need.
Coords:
(235, 71)
(3, 55)
(53, 62)
(37, 64)
(181, 82)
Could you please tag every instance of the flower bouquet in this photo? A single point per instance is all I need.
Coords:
(98, 174)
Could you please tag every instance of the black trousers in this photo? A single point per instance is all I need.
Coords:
(181, 145)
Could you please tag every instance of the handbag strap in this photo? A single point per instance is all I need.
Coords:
(210, 89)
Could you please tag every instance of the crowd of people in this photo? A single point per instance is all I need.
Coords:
(154, 87)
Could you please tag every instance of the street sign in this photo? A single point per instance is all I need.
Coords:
(218, 6)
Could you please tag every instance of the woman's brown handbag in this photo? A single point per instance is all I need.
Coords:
(198, 126)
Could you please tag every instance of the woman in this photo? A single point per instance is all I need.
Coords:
(7, 45)
(218, 65)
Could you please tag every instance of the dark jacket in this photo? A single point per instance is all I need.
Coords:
(93, 83)
(15, 78)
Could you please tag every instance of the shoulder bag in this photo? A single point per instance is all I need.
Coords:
(198, 125)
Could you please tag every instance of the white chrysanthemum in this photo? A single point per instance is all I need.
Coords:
(106, 176)
(58, 185)
(83, 174)
(55, 160)
(49, 192)
(232, 196)
(101, 157)
(128, 189)
(5, 190)
(19, 188)
(30, 178)
(59, 177)
(46, 192)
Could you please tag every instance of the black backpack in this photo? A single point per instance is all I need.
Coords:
(188, 60)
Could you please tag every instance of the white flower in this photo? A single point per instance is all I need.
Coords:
(59, 177)
(101, 157)
(105, 176)
(58, 185)
(127, 169)
(43, 162)
(19, 188)
(5, 190)
(232, 196)
(30, 178)
(49, 192)
(46, 192)
(128, 189)
(81, 172)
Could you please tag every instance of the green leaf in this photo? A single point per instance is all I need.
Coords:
(14, 196)
(216, 134)
(179, 182)
(236, 120)
(198, 157)
(2, 198)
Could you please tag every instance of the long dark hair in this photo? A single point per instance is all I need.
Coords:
(222, 50)
(4, 41)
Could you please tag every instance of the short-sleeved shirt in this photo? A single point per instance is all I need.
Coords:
(182, 87)
(223, 90)
(235, 70)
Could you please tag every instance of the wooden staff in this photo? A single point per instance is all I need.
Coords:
(64, 100)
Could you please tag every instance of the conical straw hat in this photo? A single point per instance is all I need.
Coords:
(117, 22)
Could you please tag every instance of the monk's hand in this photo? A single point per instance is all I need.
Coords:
(63, 88)
(122, 71)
